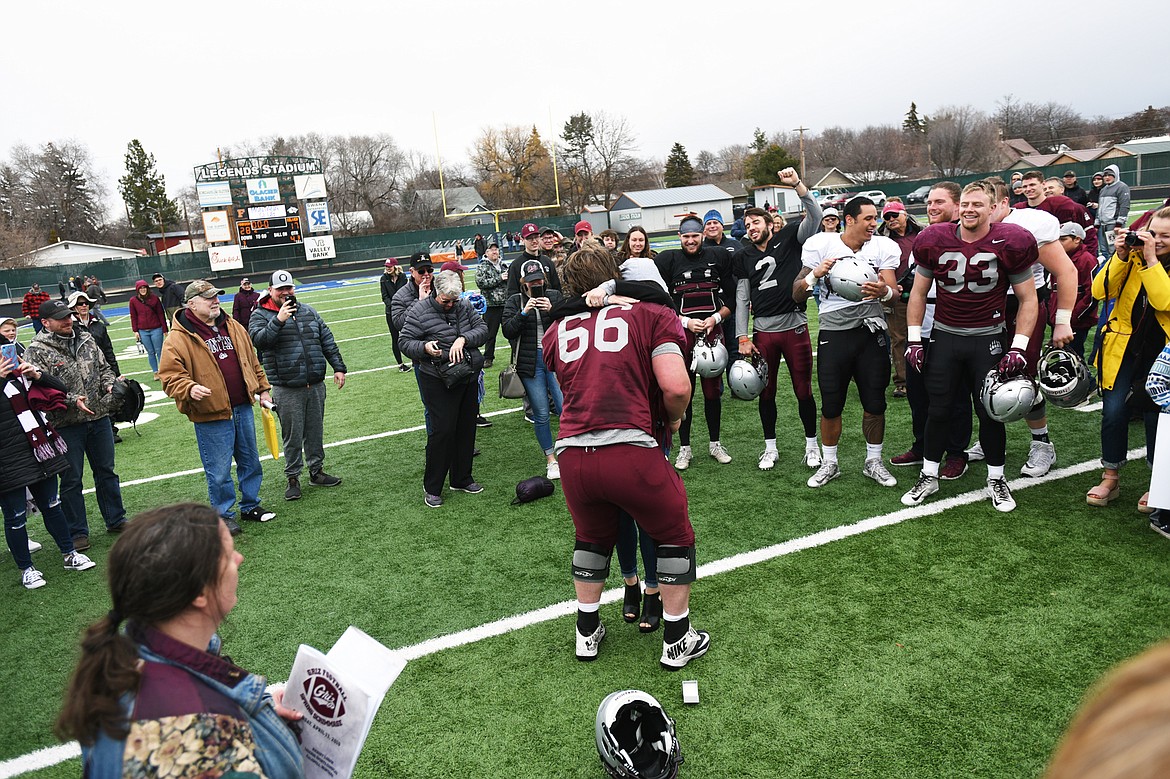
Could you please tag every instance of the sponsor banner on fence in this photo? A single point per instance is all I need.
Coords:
(319, 247)
(216, 228)
(318, 216)
(225, 257)
(216, 193)
(310, 187)
(265, 190)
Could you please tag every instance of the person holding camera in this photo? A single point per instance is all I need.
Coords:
(1136, 332)
(295, 345)
(442, 333)
(525, 320)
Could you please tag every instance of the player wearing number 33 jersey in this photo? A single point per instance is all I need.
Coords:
(973, 278)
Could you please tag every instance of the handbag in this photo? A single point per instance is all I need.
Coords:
(462, 371)
(510, 384)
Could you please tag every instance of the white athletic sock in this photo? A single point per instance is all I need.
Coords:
(873, 451)
(995, 472)
(829, 453)
(930, 468)
(588, 608)
(676, 617)
(769, 444)
(810, 443)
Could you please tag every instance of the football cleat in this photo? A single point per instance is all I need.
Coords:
(1001, 496)
(812, 456)
(1041, 458)
(683, 461)
(876, 470)
(694, 643)
(768, 459)
(587, 645)
(922, 489)
(828, 471)
(719, 453)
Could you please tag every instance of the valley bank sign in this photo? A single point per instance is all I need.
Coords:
(256, 167)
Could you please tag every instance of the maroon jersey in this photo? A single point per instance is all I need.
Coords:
(1065, 209)
(602, 359)
(972, 279)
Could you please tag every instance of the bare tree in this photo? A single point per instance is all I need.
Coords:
(1047, 126)
(962, 140)
(368, 176)
(730, 160)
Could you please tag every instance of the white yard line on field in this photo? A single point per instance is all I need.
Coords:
(50, 756)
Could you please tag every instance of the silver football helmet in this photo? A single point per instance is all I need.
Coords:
(748, 376)
(710, 357)
(847, 276)
(1008, 400)
(636, 738)
(1064, 378)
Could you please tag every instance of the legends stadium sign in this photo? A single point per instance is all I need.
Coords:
(257, 167)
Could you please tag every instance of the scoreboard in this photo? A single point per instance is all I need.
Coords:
(275, 231)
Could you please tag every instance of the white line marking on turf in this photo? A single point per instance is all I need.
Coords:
(42, 758)
(51, 756)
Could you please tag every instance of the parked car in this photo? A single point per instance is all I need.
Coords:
(839, 200)
(877, 196)
(826, 197)
(919, 195)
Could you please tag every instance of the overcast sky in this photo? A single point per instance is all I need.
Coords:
(186, 77)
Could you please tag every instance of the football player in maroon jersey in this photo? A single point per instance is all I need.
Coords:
(765, 270)
(974, 263)
(1065, 209)
(624, 379)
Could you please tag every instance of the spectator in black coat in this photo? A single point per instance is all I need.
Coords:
(526, 316)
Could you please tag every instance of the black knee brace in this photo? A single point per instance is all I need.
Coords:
(591, 562)
(676, 564)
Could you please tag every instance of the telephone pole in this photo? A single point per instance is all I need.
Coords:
(801, 131)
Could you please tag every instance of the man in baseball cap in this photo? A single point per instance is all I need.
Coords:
(531, 236)
(296, 347)
(203, 289)
(582, 232)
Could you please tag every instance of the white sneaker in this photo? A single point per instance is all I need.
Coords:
(719, 453)
(876, 470)
(1041, 458)
(587, 645)
(768, 459)
(683, 461)
(922, 489)
(828, 471)
(694, 643)
(812, 456)
(33, 546)
(1001, 496)
(31, 578)
(975, 453)
(554, 471)
(76, 561)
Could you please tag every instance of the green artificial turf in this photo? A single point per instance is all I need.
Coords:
(949, 645)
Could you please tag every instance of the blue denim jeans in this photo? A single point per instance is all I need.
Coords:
(15, 507)
(538, 388)
(219, 442)
(1115, 417)
(152, 340)
(630, 537)
(93, 441)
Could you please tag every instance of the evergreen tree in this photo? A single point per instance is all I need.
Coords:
(762, 166)
(145, 191)
(679, 172)
(759, 141)
(912, 123)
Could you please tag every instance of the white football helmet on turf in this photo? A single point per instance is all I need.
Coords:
(748, 376)
(1064, 378)
(636, 738)
(1008, 400)
(847, 276)
(710, 357)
